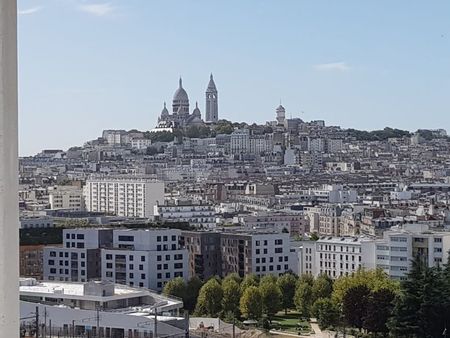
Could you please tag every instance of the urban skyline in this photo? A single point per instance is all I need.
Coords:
(323, 59)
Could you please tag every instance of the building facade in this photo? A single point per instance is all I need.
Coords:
(128, 196)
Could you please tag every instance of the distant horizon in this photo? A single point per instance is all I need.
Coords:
(112, 64)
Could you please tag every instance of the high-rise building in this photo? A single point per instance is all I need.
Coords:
(123, 196)
(281, 115)
(212, 105)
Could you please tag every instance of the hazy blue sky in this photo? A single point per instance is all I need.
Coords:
(85, 66)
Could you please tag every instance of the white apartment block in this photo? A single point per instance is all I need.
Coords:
(123, 196)
(66, 197)
(325, 219)
(334, 193)
(78, 260)
(196, 214)
(140, 143)
(333, 256)
(402, 244)
(145, 258)
(240, 141)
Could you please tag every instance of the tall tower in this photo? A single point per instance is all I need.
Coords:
(9, 210)
(281, 114)
(212, 105)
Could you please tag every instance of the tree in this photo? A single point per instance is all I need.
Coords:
(175, 287)
(306, 278)
(322, 287)
(270, 296)
(326, 312)
(406, 320)
(354, 305)
(233, 276)
(193, 287)
(231, 297)
(379, 310)
(287, 283)
(249, 280)
(209, 300)
(251, 303)
(303, 298)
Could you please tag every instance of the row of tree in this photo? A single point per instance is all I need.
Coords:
(367, 301)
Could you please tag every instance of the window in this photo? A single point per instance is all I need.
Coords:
(178, 274)
(174, 238)
(167, 274)
(131, 275)
(51, 262)
(178, 265)
(158, 239)
(159, 275)
(278, 250)
(158, 267)
(109, 265)
(83, 255)
(126, 238)
(178, 257)
(278, 267)
(141, 285)
(142, 275)
(109, 273)
(280, 259)
(257, 251)
(108, 256)
(80, 245)
(257, 260)
(158, 247)
(257, 243)
(131, 267)
(52, 270)
(142, 258)
(278, 242)
(52, 253)
(131, 258)
(158, 258)
(141, 267)
(167, 257)
(80, 236)
(265, 251)
(438, 240)
(159, 285)
(166, 266)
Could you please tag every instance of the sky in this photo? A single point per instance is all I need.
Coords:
(89, 65)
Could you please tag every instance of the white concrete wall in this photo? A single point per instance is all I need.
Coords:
(9, 210)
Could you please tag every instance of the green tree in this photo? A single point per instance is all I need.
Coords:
(209, 300)
(249, 280)
(379, 310)
(175, 287)
(322, 287)
(251, 303)
(231, 297)
(306, 278)
(326, 312)
(303, 298)
(287, 283)
(406, 320)
(193, 287)
(234, 276)
(354, 305)
(270, 296)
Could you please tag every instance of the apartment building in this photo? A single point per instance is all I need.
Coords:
(145, 258)
(402, 244)
(294, 224)
(261, 253)
(123, 196)
(333, 256)
(197, 214)
(325, 219)
(205, 259)
(240, 141)
(65, 197)
(79, 259)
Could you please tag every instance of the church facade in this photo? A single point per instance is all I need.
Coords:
(181, 117)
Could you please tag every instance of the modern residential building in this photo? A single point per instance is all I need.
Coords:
(402, 244)
(205, 255)
(79, 259)
(145, 258)
(240, 141)
(255, 252)
(123, 196)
